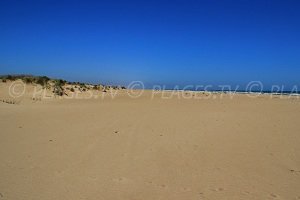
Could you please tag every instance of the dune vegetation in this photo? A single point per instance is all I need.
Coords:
(59, 86)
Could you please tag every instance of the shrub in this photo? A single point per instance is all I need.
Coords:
(42, 80)
(58, 90)
(11, 78)
(72, 90)
(28, 80)
(61, 82)
(96, 87)
(82, 85)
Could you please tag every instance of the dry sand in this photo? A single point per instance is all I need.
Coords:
(150, 149)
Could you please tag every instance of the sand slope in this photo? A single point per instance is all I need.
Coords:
(124, 148)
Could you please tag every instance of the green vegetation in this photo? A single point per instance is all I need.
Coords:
(97, 87)
(82, 85)
(58, 87)
(58, 84)
(42, 80)
(61, 82)
(11, 78)
(29, 79)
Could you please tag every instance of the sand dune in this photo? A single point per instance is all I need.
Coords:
(149, 147)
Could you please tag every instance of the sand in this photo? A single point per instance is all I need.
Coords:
(150, 148)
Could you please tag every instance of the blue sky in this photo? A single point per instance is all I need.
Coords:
(158, 42)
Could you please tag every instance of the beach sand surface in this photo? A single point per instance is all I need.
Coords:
(150, 147)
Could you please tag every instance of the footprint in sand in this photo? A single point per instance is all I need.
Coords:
(294, 171)
(122, 180)
(274, 196)
(201, 196)
(163, 186)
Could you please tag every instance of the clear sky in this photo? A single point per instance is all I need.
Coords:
(158, 42)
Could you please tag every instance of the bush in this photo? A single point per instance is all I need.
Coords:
(28, 80)
(61, 82)
(11, 78)
(42, 80)
(72, 90)
(82, 85)
(96, 87)
(58, 90)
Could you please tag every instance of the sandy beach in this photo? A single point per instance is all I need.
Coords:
(150, 148)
